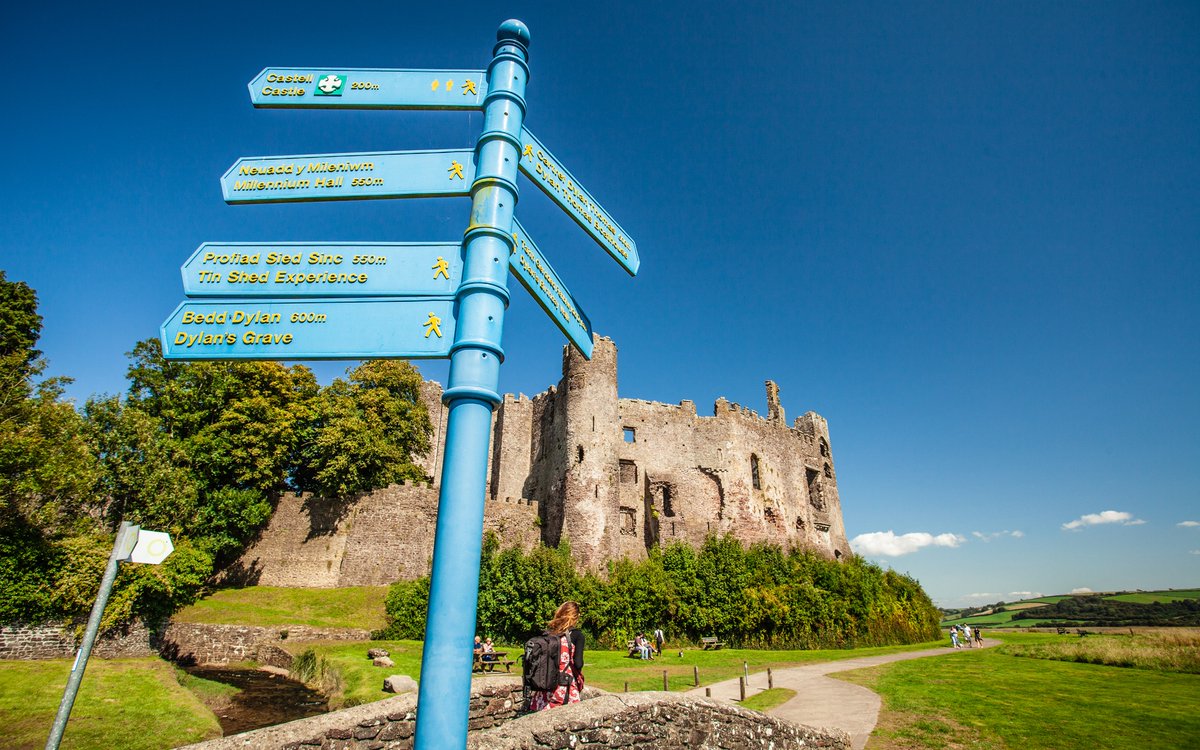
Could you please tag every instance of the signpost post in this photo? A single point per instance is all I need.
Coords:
(329, 300)
(131, 545)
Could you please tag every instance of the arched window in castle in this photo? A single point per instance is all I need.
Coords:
(579, 454)
(628, 472)
(668, 509)
(754, 480)
(824, 448)
(828, 471)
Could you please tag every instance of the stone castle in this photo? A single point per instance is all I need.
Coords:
(615, 477)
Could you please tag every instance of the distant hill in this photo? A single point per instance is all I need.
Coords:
(1119, 608)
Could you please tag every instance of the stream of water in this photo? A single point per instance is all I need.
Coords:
(265, 699)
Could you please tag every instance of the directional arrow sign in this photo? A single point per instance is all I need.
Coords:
(535, 274)
(323, 269)
(368, 88)
(539, 165)
(331, 177)
(413, 328)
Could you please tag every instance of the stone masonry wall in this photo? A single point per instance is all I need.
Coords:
(633, 720)
(57, 641)
(196, 643)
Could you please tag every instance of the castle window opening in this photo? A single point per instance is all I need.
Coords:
(824, 448)
(579, 454)
(754, 472)
(837, 554)
(630, 435)
(815, 497)
(828, 471)
(799, 523)
(628, 472)
(628, 522)
(668, 510)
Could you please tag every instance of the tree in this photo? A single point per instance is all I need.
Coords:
(365, 431)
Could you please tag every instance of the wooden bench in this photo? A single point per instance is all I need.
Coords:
(500, 660)
(1061, 631)
(711, 642)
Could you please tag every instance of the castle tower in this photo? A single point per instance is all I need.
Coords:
(591, 435)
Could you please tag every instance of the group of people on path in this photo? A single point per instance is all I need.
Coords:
(962, 637)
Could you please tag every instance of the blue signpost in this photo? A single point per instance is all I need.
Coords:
(294, 301)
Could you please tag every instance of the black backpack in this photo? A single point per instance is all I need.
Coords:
(539, 667)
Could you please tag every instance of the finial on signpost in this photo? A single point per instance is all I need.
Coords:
(515, 32)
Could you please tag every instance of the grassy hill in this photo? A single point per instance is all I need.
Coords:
(1002, 615)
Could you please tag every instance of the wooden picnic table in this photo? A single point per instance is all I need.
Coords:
(499, 658)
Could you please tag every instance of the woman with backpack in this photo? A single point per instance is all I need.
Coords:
(565, 626)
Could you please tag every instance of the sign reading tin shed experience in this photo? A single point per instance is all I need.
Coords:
(416, 328)
(321, 269)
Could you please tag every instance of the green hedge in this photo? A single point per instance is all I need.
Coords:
(752, 597)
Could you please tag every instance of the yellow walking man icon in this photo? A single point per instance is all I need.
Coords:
(441, 268)
(433, 325)
(469, 86)
(455, 170)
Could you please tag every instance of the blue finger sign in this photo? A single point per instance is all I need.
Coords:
(412, 328)
(538, 277)
(323, 269)
(539, 165)
(368, 88)
(331, 177)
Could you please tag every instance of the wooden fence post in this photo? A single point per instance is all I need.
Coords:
(742, 687)
(696, 676)
(770, 680)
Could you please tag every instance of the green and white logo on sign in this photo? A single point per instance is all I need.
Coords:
(330, 85)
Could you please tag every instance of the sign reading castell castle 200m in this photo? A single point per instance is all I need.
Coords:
(411, 300)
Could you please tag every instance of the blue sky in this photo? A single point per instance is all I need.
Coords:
(967, 234)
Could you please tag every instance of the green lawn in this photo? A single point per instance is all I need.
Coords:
(986, 699)
(271, 606)
(133, 704)
(768, 699)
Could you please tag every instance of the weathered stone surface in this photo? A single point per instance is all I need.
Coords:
(399, 683)
(615, 476)
(375, 653)
(383, 661)
(601, 720)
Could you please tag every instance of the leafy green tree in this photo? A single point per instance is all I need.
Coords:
(365, 431)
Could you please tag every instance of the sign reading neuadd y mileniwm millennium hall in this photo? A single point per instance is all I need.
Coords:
(287, 300)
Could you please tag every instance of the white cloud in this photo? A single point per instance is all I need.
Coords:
(988, 597)
(1107, 516)
(990, 535)
(1024, 594)
(1188, 523)
(888, 544)
(1082, 590)
(1195, 552)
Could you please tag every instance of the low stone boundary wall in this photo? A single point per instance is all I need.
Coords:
(196, 643)
(629, 720)
(57, 641)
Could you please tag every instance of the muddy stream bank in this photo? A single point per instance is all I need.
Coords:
(264, 700)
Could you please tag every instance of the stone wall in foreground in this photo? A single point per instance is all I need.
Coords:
(629, 720)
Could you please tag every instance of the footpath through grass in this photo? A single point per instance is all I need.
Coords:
(361, 682)
(133, 704)
(989, 699)
(273, 606)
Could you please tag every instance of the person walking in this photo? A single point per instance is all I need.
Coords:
(565, 625)
(659, 640)
(967, 636)
(954, 635)
(979, 636)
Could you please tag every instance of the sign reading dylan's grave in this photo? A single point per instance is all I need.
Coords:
(411, 328)
(323, 269)
(537, 276)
